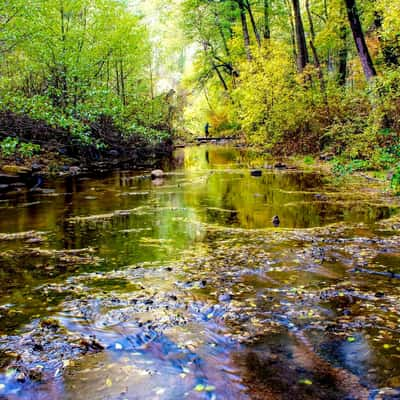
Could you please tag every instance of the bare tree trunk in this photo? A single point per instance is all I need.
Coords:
(310, 20)
(302, 53)
(221, 78)
(359, 39)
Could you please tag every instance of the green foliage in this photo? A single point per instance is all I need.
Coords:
(28, 150)
(343, 167)
(71, 62)
(309, 160)
(9, 146)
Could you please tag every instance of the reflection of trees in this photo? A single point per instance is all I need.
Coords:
(256, 200)
(253, 201)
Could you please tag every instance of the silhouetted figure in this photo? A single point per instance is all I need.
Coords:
(276, 221)
(207, 129)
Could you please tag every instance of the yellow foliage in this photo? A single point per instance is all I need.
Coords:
(272, 102)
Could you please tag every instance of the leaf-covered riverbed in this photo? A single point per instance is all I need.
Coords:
(123, 287)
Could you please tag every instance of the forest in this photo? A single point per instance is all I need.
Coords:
(288, 77)
(302, 76)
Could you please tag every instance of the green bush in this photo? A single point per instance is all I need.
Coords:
(28, 150)
(341, 166)
(12, 146)
(9, 146)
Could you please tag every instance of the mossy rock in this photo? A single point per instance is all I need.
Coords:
(16, 169)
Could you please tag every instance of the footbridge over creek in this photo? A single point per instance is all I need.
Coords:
(214, 139)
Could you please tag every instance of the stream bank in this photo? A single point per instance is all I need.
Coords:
(62, 154)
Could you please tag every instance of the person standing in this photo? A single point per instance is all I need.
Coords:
(207, 129)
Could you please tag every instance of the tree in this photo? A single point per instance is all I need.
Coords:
(245, 29)
(359, 39)
(302, 53)
(267, 29)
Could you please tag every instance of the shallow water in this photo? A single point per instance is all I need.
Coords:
(123, 287)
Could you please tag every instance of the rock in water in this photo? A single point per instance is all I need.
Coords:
(157, 174)
(74, 170)
(256, 172)
(276, 221)
(280, 165)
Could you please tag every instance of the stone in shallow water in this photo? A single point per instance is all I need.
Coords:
(256, 172)
(280, 165)
(157, 174)
(226, 297)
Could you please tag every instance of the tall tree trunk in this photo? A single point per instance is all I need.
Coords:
(310, 20)
(245, 29)
(267, 29)
(317, 62)
(122, 79)
(253, 23)
(117, 78)
(359, 39)
(342, 69)
(206, 47)
(302, 53)
(221, 78)
(292, 30)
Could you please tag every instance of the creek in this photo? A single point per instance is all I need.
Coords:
(123, 287)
